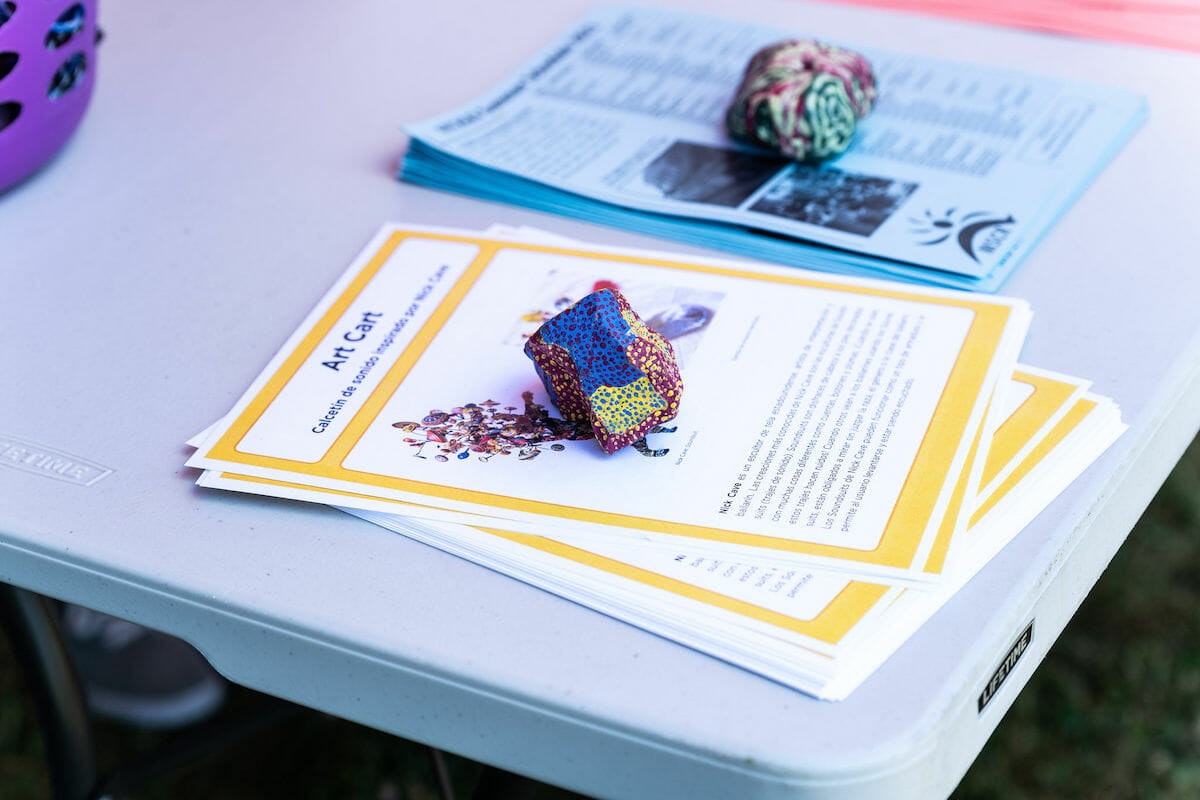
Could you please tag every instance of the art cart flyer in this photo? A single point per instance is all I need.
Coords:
(823, 421)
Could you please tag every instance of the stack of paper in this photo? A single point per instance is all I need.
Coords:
(950, 180)
(848, 452)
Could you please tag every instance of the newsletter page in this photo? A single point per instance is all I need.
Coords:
(958, 167)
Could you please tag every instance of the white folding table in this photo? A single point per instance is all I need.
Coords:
(236, 157)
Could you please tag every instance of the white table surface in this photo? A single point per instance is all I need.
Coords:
(235, 158)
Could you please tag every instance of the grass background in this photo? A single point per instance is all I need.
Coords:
(1112, 712)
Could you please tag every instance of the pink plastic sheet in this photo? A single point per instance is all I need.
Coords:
(1166, 23)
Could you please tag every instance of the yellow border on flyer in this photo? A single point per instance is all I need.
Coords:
(903, 534)
(834, 621)
(941, 545)
(1076, 415)
(1022, 425)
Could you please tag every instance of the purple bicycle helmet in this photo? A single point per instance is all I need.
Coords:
(47, 71)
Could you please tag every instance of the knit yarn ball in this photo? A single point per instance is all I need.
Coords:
(802, 98)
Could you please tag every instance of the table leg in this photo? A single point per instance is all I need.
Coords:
(62, 712)
(498, 784)
(30, 621)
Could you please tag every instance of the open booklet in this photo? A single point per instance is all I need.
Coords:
(950, 180)
(885, 439)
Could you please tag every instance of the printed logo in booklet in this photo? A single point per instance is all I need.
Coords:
(976, 232)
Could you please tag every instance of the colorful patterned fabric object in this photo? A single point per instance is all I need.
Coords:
(802, 98)
(600, 363)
